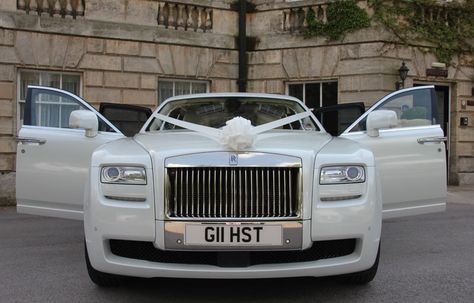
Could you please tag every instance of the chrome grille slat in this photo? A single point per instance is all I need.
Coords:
(245, 194)
(284, 193)
(203, 192)
(274, 196)
(192, 192)
(226, 202)
(181, 194)
(290, 181)
(198, 192)
(233, 192)
(220, 193)
(251, 194)
(279, 191)
(187, 192)
(268, 193)
(262, 192)
(257, 212)
(175, 190)
(215, 193)
(240, 193)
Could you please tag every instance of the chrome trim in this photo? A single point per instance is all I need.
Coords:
(221, 159)
(432, 140)
(229, 186)
(332, 199)
(181, 206)
(291, 230)
(125, 199)
(30, 140)
(289, 192)
(284, 192)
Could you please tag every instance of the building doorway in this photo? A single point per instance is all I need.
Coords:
(443, 96)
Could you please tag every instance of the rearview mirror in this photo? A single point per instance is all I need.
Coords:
(84, 119)
(379, 119)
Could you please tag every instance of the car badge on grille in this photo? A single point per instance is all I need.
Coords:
(233, 159)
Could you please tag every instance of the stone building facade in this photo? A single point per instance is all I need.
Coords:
(140, 51)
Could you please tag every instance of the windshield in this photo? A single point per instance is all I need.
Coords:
(216, 111)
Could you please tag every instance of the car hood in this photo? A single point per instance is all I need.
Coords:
(164, 144)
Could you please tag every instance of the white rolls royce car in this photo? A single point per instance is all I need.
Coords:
(230, 186)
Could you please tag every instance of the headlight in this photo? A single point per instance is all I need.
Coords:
(123, 175)
(342, 174)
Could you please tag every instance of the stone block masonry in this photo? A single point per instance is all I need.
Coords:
(111, 69)
(122, 49)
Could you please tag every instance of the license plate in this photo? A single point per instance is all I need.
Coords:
(233, 235)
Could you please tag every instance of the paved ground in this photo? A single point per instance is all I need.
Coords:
(424, 259)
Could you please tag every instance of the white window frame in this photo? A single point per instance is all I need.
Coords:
(174, 81)
(40, 72)
(287, 89)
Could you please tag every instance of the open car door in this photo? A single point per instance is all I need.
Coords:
(410, 157)
(336, 118)
(129, 119)
(52, 159)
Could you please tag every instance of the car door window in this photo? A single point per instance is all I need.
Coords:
(335, 119)
(50, 108)
(129, 119)
(413, 108)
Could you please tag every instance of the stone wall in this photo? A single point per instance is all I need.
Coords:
(364, 63)
(7, 121)
(112, 70)
(120, 51)
(362, 76)
(122, 48)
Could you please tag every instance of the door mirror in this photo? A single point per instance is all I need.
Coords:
(379, 119)
(84, 119)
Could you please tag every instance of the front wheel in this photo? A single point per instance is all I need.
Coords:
(101, 278)
(363, 277)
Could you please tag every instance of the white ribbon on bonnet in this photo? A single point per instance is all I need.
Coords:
(238, 133)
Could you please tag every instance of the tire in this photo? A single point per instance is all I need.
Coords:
(363, 277)
(102, 279)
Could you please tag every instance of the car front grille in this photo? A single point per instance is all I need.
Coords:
(146, 251)
(233, 192)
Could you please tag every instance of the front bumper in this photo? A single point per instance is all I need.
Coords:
(358, 219)
(362, 258)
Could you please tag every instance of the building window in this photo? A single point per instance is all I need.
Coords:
(52, 111)
(314, 94)
(170, 88)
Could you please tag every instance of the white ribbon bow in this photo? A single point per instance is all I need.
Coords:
(238, 134)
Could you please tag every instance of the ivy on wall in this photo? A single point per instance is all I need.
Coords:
(342, 17)
(448, 28)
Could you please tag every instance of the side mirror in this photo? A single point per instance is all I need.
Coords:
(84, 119)
(379, 119)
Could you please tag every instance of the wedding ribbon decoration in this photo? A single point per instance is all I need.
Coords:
(238, 133)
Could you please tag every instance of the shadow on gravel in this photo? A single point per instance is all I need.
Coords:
(260, 290)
